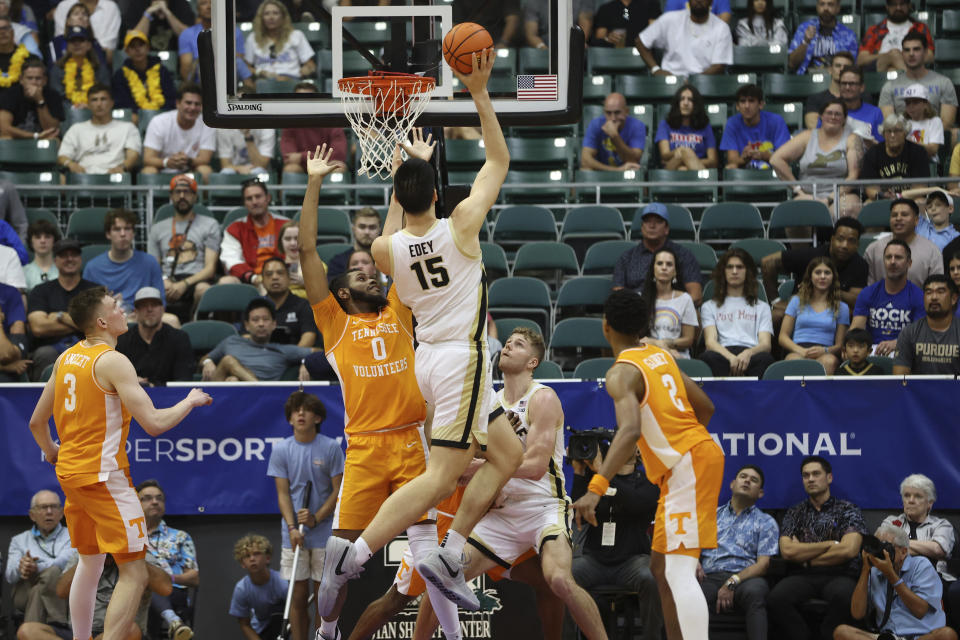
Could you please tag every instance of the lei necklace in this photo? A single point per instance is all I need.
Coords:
(140, 93)
(77, 97)
(13, 73)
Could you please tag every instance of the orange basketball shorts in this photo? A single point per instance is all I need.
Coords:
(106, 517)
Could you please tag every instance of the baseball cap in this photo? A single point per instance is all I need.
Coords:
(132, 35)
(943, 195)
(66, 244)
(656, 209)
(183, 177)
(915, 90)
(77, 31)
(147, 293)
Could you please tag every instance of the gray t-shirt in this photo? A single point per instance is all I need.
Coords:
(266, 361)
(939, 87)
(927, 351)
(203, 233)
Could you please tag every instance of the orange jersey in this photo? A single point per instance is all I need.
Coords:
(669, 426)
(92, 423)
(372, 355)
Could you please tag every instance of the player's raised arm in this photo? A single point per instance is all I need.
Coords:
(314, 275)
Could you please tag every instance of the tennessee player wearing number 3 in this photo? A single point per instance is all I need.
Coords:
(664, 414)
(91, 395)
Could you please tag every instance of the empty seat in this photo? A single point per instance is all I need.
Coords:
(207, 334)
(799, 213)
(584, 226)
(784, 368)
(593, 368)
(602, 256)
(521, 297)
(758, 248)
(694, 185)
(576, 339)
(226, 299)
(494, 261)
(730, 221)
(524, 223)
(583, 296)
(506, 326)
(549, 261)
(86, 225)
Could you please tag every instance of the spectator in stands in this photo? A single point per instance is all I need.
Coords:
(924, 126)
(77, 16)
(11, 273)
(825, 156)
(35, 560)
(13, 335)
(363, 260)
(365, 226)
(501, 18)
(187, 246)
(174, 552)
(104, 20)
(618, 23)
(816, 319)
(882, 42)
(305, 461)
(123, 269)
(811, 108)
(693, 41)
(903, 592)
(52, 328)
(631, 269)
(100, 144)
(248, 242)
(245, 151)
(189, 53)
(275, 49)
(142, 82)
(253, 358)
(719, 8)
(896, 159)
(29, 108)
(615, 140)
(673, 318)
(624, 560)
(584, 12)
(178, 140)
(863, 119)
(294, 316)
(685, 138)
(290, 246)
(12, 53)
(752, 136)
(953, 267)
(931, 345)
(24, 28)
(820, 539)
(10, 238)
(158, 352)
(11, 209)
(161, 20)
(857, 345)
(732, 575)
(762, 27)
(925, 257)
(74, 73)
(258, 598)
(887, 306)
(935, 224)
(294, 143)
(940, 90)
(736, 323)
(41, 236)
(818, 39)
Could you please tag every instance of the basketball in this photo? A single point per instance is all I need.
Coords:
(462, 42)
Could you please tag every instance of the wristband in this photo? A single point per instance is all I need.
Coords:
(206, 360)
(654, 69)
(898, 583)
(598, 485)
(291, 527)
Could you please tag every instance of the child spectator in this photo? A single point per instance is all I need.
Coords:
(761, 27)
(258, 598)
(816, 319)
(685, 138)
(924, 126)
(40, 236)
(673, 318)
(856, 347)
(935, 224)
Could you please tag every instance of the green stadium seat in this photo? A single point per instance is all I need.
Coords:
(786, 289)
(494, 261)
(884, 363)
(226, 299)
(521, 297)
(90, 251)
(596, 88)
(549, 261)
(524, 223)
(768, 59)
(875, 214)
(730, 221)
(539, 153)
(506, 326)
(86, 225)
(146, 115)
(583, 226)
(160, 183)
(548, 370)
(506, 65)
(225, 189)
(166, 211)
(100, 198)
(39, 213)
(689, 191)
(648, 89)
(874, 80)
(316, 33)
(547, 187)
(534, 60)
(593, 368)
(788, 87)
(377, 197)
(950, 23)
(333, 225)
(799, 213)
(705, 255)
(721, 87)
(28, 155)
(681, 223)
(605, 60)
(758, 248)
(294, 185)
(613, 186)
(206, 334)
(576, 339)
(791, 112)
(733, 189)
(947, 55)
(37, 189)
(602, 256)
(328, 250)
(237, 213)
(785, 368)
(73, 116)
(583, 296)
(694, 368)
(465, 155)
(718, 114)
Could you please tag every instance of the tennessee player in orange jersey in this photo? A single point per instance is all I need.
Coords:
(92, 394)
(664, 414)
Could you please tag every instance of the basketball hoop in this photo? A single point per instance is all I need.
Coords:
(382, 108)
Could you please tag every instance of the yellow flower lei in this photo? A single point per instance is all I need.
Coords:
(70, 81)
(13, 73)
(156, 99)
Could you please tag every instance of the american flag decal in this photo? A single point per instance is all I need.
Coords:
(538, 87)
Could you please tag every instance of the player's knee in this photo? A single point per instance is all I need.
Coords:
(30, 630)
(843, 632)
(561, 585)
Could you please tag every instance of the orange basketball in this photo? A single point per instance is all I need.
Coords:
(462, 42)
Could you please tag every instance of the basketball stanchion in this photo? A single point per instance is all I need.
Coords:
(285, 624)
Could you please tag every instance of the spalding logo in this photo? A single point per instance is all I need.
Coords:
(244, 107)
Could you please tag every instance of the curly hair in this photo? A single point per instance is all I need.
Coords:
(251, 543)
(627, 313)
(806, 290)
(750, 286)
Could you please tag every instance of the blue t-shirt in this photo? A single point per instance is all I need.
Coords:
(887, 314)
(299, 462)
(634, 135)
(126, 278)
(940, 238)
(259, 601)
(816, 327)
(767, 135)
(871, 115)
(187, 43)
(11, 303)
(719, 6)
(697, 139)
(9, 237)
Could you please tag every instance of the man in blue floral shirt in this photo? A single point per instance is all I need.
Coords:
(177, 555)
(816, 40)
(732, 575)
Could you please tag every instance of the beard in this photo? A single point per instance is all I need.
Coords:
(378, 300)
(941, 313)
(183, 206)
(699, 11)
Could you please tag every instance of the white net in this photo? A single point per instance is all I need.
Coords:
(382, 108)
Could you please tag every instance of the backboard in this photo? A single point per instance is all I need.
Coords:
(406, 36)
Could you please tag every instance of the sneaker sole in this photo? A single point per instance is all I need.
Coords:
(456, 597)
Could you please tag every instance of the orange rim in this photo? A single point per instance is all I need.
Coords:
(390, 92)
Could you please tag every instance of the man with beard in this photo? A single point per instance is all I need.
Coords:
(366, 228)
(882, 42)
(931, 345)
(294, 317)
(186, 246)
(158, 352)
(816, 41)
(940, 90)
(694, 41)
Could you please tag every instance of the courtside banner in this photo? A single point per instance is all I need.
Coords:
(874, 432)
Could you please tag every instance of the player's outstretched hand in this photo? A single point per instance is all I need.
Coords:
(586, 508)
(482, 66)
(318, 164)
(420, 148)
(199, 398)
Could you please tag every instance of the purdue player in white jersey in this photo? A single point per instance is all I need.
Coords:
(437, 270)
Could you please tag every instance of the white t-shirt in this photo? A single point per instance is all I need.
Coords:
(894, 38)
(167, 138)
(230, 144)
(738, 324)
(11, 272)
(928, 131)
(105, 21)
(689, 48)
(286, 62)
(670, 317)
(100, 147)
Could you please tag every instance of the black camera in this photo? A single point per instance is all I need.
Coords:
(584, 445)
(875, 547)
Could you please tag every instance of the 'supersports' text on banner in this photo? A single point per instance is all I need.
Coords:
(538, 87)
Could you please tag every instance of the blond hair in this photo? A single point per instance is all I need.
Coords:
(251, 543)
(535, 340)
(286, 28)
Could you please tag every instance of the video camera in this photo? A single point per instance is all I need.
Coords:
(875, 547)
(584, 445)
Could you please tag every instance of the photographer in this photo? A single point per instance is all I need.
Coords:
(617, 553)
(903, 590)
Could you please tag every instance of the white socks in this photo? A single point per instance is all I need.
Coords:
(83, 594)
(692, 612)
(362, 552)
(328, 628)
(423, 539)
(454, 542)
